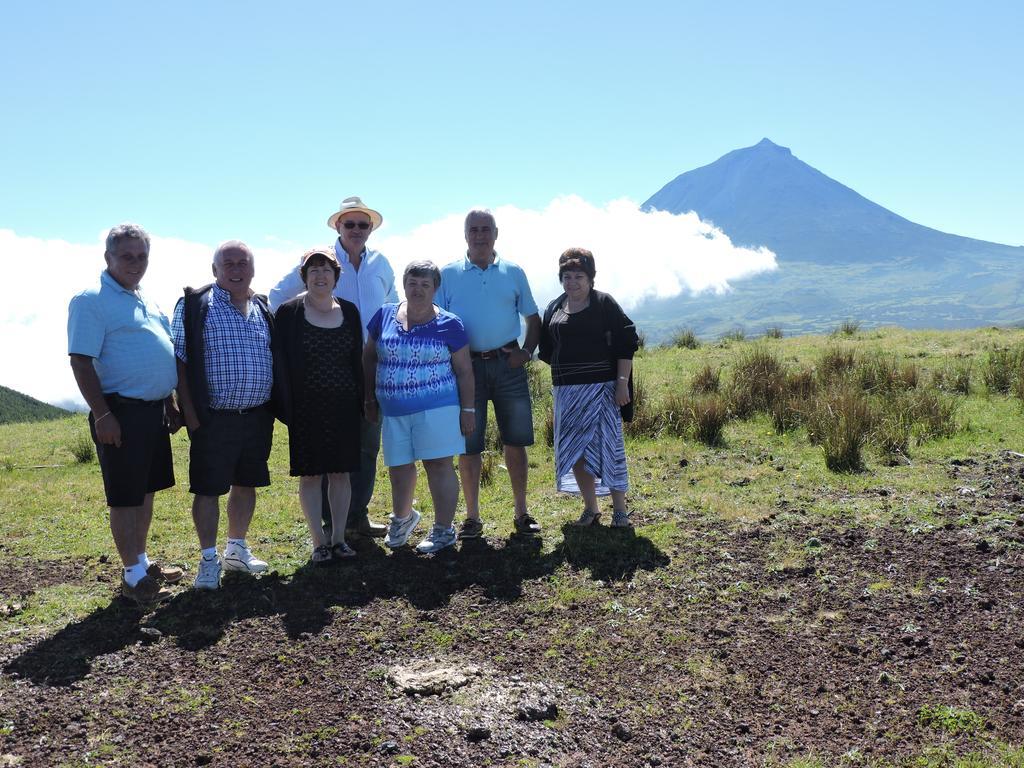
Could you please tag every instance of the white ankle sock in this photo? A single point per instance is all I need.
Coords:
(210, 553)
(144, 561)
(134, 574)
(237, 543)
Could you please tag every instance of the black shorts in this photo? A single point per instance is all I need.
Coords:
(230, 448)
(143, 463)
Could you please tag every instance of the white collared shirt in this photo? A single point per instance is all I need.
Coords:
(369, 287)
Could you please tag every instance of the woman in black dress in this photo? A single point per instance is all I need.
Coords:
(318, 346)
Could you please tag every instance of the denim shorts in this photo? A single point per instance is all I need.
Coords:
(432, 434)
(509, 390)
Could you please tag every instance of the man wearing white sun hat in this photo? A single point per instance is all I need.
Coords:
(368, 281)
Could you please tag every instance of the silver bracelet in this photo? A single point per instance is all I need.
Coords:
(623, 378)
(469, 410)
(101, 418)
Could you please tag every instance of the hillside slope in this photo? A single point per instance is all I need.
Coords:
(16, 407)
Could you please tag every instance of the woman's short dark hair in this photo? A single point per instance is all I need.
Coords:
(316, 258)
(423, 268)
(577, 260)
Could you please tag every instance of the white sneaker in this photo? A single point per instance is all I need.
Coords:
(238, 557)
(438, 538)
(401, 529)
(209, 574)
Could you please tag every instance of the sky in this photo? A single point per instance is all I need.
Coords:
(210, 121)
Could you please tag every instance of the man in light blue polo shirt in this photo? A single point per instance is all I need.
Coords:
(490, 294)
(123, 361)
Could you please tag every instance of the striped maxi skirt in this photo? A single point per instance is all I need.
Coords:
(588, 424)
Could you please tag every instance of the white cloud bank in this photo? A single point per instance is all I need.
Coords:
(639, 255)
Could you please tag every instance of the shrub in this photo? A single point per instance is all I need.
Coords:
(83, 449)
(492, 438)
(881, 373)
(1002, 367)
(706, 381)
(641, 340)
(736, 334)
(954, 377)
(684, 338)
(708, 415)
(892, 435)
(835, 364)
(773, 333)
(800, 384)
(647, 421)
(540, 386)
(549, 425)
(840, 421)
(847, 328)
(934, 414)
(488, 467)
(757, 380)
(787, 413)
(676, 413)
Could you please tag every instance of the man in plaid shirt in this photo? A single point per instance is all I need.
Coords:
(221, 336)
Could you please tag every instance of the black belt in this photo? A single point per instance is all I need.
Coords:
(238, 411)
(115, 399)
(488, 354)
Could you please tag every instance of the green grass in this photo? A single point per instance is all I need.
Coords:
(52, 509)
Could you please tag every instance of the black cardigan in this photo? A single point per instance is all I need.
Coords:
(620, 336)
(289, 358)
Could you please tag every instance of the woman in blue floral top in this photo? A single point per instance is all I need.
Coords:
(419, 377)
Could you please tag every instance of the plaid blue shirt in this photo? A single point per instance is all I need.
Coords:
(239, 367)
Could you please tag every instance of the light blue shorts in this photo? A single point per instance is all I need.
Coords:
(431, 434)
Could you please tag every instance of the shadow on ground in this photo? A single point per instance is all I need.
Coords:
(303, 600)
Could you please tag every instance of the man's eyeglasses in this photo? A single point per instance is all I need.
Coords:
(354, 224)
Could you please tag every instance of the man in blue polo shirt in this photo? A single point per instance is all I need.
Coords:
(490, 294)
(123, 361)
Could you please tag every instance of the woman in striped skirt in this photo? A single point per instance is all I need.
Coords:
(589, 343)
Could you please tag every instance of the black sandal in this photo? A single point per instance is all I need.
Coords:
(341, 550)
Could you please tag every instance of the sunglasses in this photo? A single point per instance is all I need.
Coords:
(354, 224)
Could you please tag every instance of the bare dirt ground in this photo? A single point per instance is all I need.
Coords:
(739, 645)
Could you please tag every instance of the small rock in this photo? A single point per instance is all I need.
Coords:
(534, 711)
(150, 634)
(987, 604)
(204, 759)
(622, 732)
(427, 678)
(478, 733)
(983, 546)
(743, 728)
(684, 463)
(389, 748)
